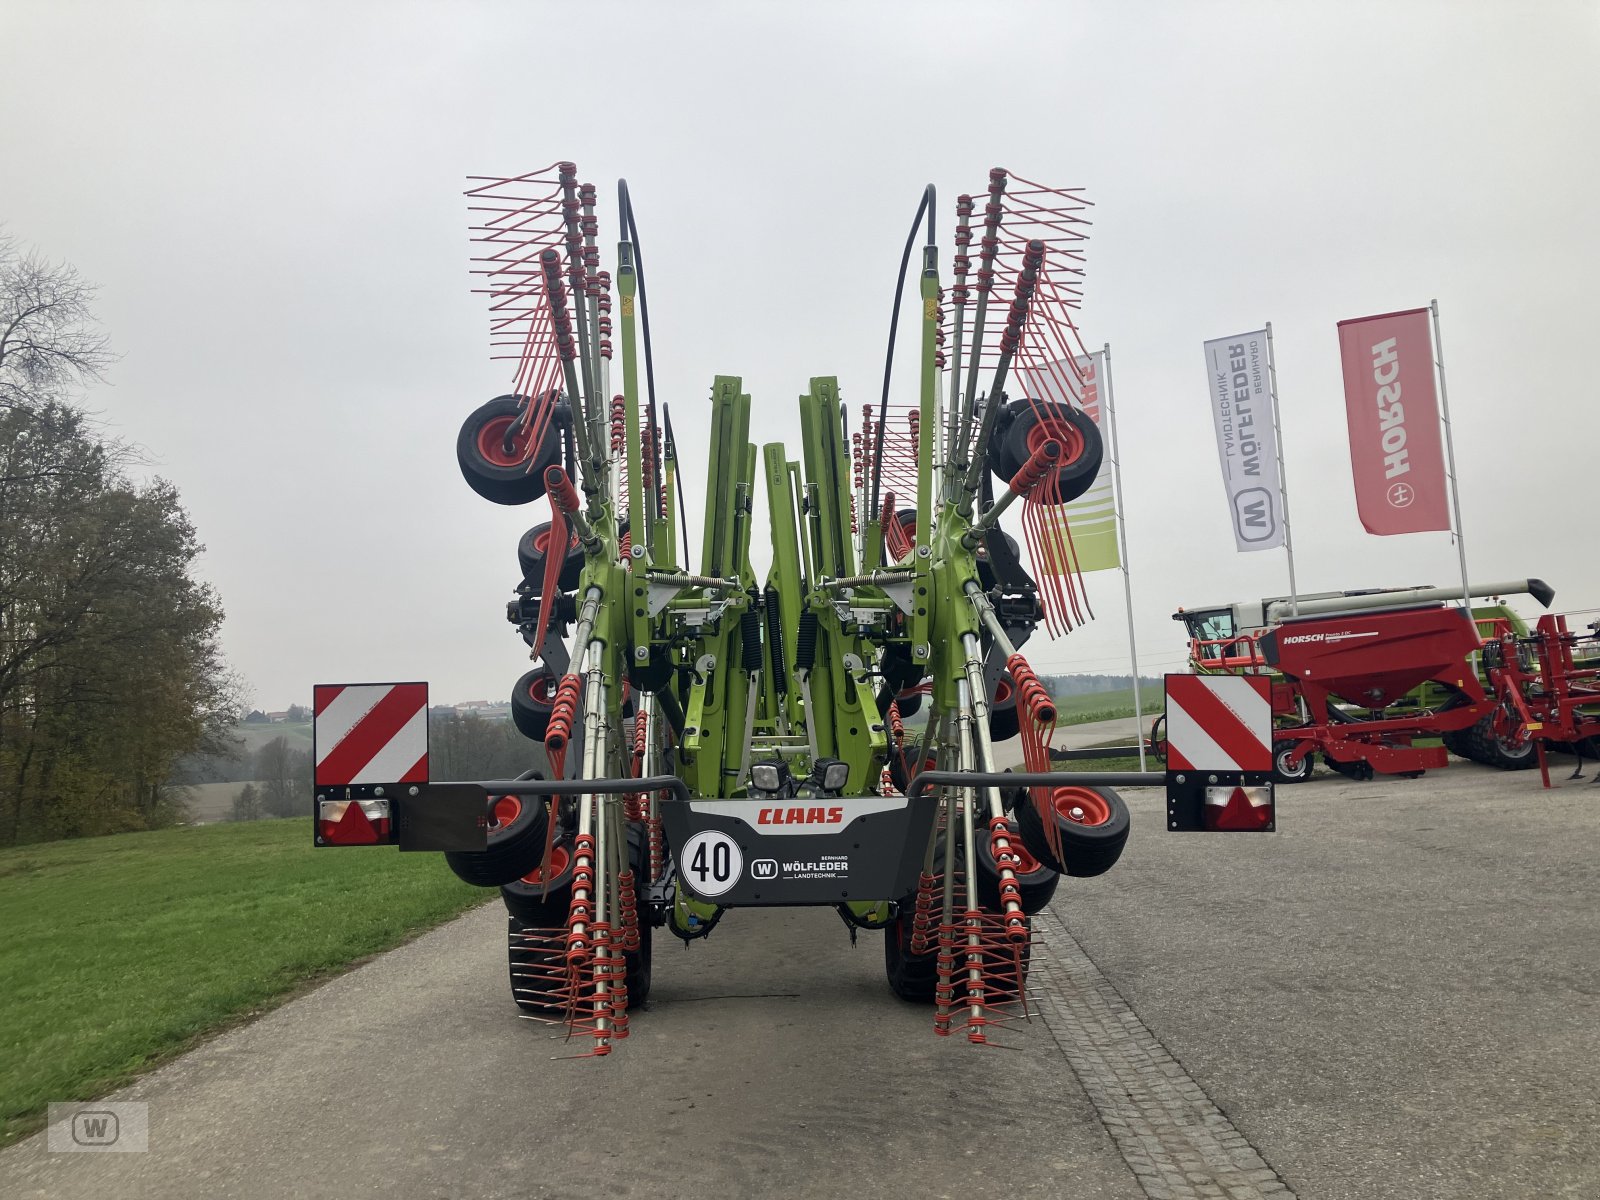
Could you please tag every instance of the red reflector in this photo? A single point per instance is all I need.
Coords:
(353, 822)
(1238, 808)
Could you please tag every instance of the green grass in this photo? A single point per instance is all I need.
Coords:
(1109, 706)
(120, 951)
(1109, 764)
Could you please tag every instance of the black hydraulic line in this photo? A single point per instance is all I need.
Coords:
(630, 233)
(929, 206)
(672, 452)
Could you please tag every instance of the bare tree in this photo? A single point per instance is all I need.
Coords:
(50, 341)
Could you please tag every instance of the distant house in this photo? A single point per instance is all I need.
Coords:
(277, 718)
(256, 717)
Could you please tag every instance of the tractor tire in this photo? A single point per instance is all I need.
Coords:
(1036, 882)
(1485, 746)
(517, 833)
(912, 977)
(532, 548)
(504, 478)
(1025, 432)
(1285, 774)
(1090, 843)
(533, 702)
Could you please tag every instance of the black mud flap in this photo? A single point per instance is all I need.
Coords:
(752, 853)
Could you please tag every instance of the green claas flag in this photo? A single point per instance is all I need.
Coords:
(1092, 516)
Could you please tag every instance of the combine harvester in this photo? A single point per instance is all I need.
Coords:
(1361, 676)
(719, 738)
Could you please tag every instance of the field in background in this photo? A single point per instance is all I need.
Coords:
(120, 951)
(209, 802)
(256, 736)
(1110, 706)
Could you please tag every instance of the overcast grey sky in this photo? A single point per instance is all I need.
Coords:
(269, 196)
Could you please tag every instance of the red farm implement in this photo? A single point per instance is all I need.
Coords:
(1364, 677)
(1548, 690)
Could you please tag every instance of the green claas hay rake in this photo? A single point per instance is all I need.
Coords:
(722, 734)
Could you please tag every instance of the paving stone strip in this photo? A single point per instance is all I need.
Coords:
(1179, 1145)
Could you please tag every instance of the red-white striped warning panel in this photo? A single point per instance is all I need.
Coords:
(370, 733)
(1219, 723)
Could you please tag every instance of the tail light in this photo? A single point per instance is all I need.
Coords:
(353, 822)
(1248, 809)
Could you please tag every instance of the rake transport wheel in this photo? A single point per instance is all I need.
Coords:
(1093, 825)
(491, 469)
(532, 549)
(1282, 772)
(900, 772)
(912, 977)
(1036, 882)
(1025, 432)
(531, 903)
(517, 829)
(533, 701)
(537, 970)
(1004, 724)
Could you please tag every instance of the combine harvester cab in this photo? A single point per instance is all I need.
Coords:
(718, 738)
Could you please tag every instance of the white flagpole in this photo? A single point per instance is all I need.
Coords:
(1283, 479)
(1122, 542)
(1450, 452)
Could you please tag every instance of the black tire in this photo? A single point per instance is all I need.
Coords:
(533, 702)
(1036, 882)
(898, 764)
(534, 905)
(538, 905)
(1283, 774)
(1090, 846)
(537, 969)
(1004, 721)
(1483, 745)
(1024, 432)
(1358, 769)
(490, 471)
(531, 550)
(912, 977)
(906, 520)
(516, 844)
(638, 962)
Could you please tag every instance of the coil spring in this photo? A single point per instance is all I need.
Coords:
(805, 642)
(780, 673)
(750, 636)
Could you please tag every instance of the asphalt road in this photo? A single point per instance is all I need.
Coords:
(1397, 995)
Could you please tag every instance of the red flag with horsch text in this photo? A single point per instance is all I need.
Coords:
(1393, 413)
